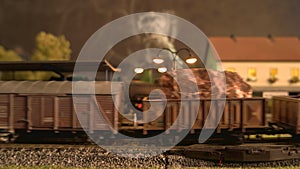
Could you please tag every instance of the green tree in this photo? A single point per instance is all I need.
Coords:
(50, 48)
(10, 55)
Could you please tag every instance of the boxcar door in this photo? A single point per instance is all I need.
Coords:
(67, 116)
(42, 111)
(4, 111)
(20, 112)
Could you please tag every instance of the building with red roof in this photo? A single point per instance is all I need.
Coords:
(267, 63)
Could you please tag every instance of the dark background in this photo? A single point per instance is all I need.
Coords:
(21, 20)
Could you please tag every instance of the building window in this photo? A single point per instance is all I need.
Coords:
(273, 75)
(251, 77)
(294, 75)
(231, 69)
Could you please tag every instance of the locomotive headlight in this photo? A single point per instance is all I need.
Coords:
(138, 70)
(191, 60)
(158, 60)
(162, 69)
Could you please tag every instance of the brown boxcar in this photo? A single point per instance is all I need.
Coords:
(41, 105)
(48, 106)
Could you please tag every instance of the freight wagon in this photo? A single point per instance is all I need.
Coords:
(286, 113)
(241, 115)
(27, 106)
(47, 107)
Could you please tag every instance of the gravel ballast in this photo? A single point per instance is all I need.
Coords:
(97, 157)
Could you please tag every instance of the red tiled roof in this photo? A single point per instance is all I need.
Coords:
(257, 48)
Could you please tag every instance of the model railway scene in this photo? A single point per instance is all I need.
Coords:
(43, 112)
(251, 129)
(36, 114)
(149, 84)
(29, 107)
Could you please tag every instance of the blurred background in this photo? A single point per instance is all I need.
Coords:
(21, 21)
(259, 39)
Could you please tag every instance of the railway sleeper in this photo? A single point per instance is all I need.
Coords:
(243, 154)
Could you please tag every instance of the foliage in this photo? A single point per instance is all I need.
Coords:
(50, 48)
(9, 55)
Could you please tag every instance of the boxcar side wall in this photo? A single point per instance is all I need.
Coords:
(54, 111)
(4, 111)
(239, 115)
(286, 110)
(87, 110)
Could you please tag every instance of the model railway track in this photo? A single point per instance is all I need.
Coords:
(246, 153)
(45, 146)
(257, 152)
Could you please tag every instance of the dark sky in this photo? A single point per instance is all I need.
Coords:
(21, 20)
